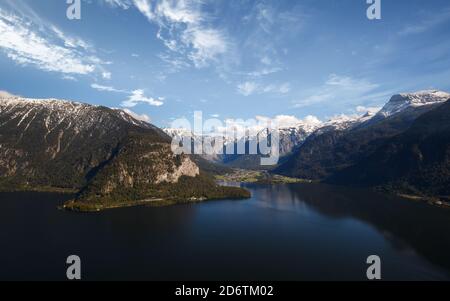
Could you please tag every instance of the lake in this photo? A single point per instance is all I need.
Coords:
(284, 232)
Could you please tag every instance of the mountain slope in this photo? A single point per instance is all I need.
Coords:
(402, 102)
(107, 154)
(416, 161)
(409, 102)
(58, 143)
(328, 151)
(290, 138)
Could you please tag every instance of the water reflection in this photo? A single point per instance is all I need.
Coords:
(404, 223)
(284, 232)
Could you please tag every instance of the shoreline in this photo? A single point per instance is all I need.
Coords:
(244, 176)
(77, 206)
(433, 201)
(80, 207)
(41, 189)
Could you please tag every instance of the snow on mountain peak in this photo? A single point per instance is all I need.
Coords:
(9, 99)
(400, 102)
(6, 94)
(291, 123)
(79, 114)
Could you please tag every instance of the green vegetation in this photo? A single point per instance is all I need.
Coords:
(187, 190)
(257, 176)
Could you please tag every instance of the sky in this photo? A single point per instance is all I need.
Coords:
(163, 60)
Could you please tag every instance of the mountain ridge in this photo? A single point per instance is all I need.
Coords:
(106, 154)
(327, 152)
(416, 161)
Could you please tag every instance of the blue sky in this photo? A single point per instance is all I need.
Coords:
(228, 58)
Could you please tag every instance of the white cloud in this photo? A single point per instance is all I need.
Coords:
(259, 123)
(107, 88)
(184, 29)
(6, 94)
(288, 121)
(71, 42)
(106, 75)
(269, 29)
(208, 44)
(370, 110)
(141, 117)
(34, 43)
(249, 88)
(125, 4)
(137, 96)
(134, 98)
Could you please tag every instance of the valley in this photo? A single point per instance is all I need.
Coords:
(256, 177)
(401, 149)
(111, 160)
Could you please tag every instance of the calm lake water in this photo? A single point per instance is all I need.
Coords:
(284, 232)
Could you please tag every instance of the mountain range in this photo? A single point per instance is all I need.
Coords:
(105, 155)
(402, 148)
(341, 150)
(416, 161)
(111, 159)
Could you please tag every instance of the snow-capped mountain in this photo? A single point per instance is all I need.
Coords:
(416, 160)
(70, 145)
(73, 115)
(179, 132)
(403, 101)
(342, 122)
(108, 156)
(292, 132)
(347, 140)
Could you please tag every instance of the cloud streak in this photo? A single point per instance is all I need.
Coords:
(249, 88)
(337, 89)
(184, 29)
(426, 23)
(135, 97)
(124, 4)
(45, 47)
(107, 88)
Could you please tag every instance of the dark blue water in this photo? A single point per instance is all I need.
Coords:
(285, 232)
